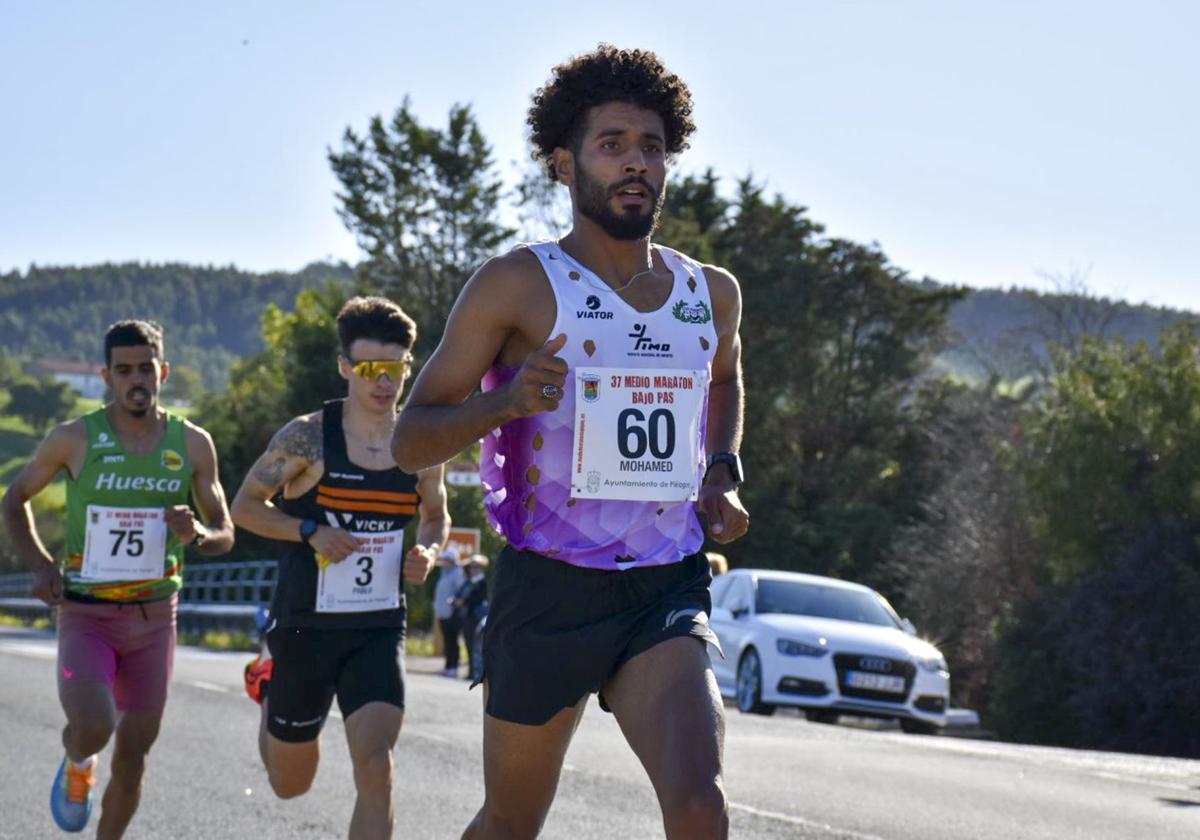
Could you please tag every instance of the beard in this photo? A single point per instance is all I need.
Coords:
(134, 411)
(593, 201)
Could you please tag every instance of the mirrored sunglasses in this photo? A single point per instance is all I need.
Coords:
(372, 369)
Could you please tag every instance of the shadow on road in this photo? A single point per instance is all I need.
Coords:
(1179, 803)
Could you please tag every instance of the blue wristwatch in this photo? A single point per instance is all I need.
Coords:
(307, 528)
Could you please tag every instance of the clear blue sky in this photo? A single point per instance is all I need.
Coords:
(977, 143)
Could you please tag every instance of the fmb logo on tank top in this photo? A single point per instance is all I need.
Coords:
(646, 346)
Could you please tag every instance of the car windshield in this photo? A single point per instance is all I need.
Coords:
(796, 598)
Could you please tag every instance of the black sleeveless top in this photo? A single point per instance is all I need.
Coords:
(347, 496)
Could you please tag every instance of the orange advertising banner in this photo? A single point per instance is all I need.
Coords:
(464, 542)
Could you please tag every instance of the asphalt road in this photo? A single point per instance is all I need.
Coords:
(786, 778)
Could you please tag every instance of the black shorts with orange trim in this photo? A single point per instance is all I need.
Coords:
(557, 632)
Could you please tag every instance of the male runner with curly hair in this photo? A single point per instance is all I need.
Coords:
(610, 414)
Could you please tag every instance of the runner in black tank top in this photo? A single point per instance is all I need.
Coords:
(329, 491)
(355, 499)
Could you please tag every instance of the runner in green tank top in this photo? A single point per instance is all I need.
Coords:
(115, 478)
(131, 470)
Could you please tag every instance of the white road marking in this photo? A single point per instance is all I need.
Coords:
(790, 820)
(1152, 771)
(207, 686)
(26, 649)
(437, 739)
(758, 812)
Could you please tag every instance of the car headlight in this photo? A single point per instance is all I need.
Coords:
(933, 663)
(791, 647)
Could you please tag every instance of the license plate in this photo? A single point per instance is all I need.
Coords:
(875, 682)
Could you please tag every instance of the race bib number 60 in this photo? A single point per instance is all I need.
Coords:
(124, 544)
(367, 580)
(637, 433)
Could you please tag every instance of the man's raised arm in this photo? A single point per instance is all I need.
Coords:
(442, 416)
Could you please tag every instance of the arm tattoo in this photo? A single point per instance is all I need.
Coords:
(302, 438)
(269, 472)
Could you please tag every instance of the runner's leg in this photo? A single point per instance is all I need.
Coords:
(521, 768)
(143, 678)
(296, 706)
(371, 734)
(87, 668)
(667, 704)
(91, 717)
(291, 767)
(135, 735)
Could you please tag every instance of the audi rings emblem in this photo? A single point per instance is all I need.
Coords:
(875, 663)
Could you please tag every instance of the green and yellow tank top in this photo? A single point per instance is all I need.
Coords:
(118, 545)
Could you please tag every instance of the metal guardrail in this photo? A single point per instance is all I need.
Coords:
(215, 596)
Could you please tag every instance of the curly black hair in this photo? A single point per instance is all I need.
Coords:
(606, 74)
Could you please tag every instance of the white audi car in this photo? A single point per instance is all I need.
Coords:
(826, 646)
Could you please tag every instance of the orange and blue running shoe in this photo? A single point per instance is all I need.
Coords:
(71, 795)
(258, 675)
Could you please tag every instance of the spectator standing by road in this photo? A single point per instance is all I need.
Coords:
(471, 606)
(450, 580)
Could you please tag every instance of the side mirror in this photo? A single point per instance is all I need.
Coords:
(721, 614)
(908, 626)
(741, 612)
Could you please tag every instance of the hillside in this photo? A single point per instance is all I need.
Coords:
(210, 314)
(1005, 332)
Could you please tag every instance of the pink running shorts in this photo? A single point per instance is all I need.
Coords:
(128, 647)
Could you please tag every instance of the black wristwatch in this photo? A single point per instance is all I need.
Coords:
(199, 539)
(307, 528)
(731, 460)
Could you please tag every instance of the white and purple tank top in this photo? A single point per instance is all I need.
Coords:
(608, 479)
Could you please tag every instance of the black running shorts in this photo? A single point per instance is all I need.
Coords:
(556, 632)
(359, 666)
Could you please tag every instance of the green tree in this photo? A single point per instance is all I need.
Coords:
(424, 205)
(295, 375)
(185, 384)
(41, 402)
(835, 341)
(959, 569)
(1114, 446)
(10, 369)
(1102, 653)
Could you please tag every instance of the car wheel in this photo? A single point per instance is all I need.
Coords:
(821, 716)
(918, 727)
(749, 685)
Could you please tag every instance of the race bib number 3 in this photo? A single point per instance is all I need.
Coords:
(637, 433)
(367, 580)
(124, 544)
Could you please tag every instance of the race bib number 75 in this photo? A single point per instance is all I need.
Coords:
(124, 544)
(637, 433)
